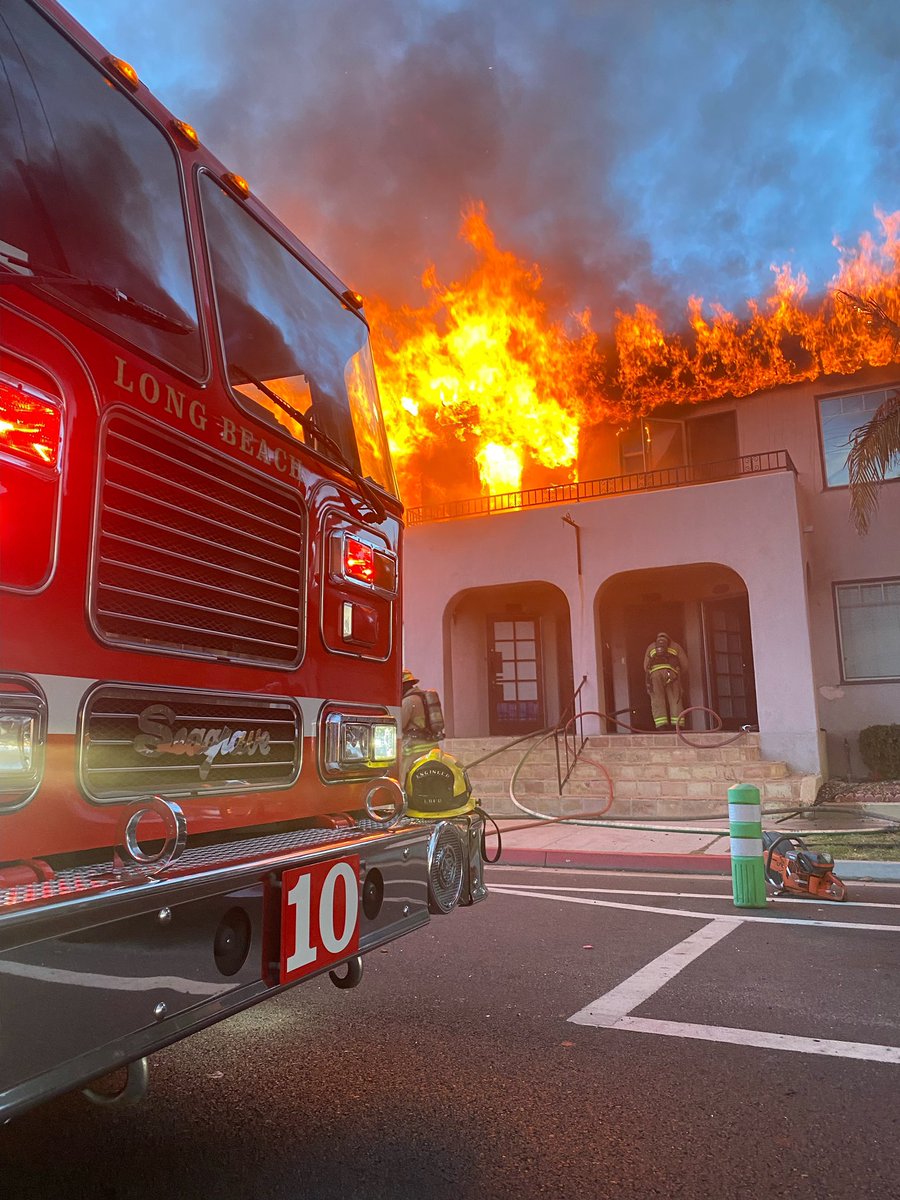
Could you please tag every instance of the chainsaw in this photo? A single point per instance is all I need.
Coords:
(792, 867)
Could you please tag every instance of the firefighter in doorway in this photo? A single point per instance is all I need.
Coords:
(665, 665)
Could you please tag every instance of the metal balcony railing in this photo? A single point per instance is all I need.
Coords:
(615, 485)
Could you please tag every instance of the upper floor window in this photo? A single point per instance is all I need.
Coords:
(868, 615)
(658, 443)
(838, 417)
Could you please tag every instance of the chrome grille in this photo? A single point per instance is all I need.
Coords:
(140, 741)
(194, 554)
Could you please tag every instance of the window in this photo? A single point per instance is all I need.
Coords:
(92, 205)
(282, 327)
(651, 445)
(868, 614)
(838, 417)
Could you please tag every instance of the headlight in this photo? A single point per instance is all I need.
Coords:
(17, 737)
(384, 743)
(23, 723)
(355, 746)
(354, 743)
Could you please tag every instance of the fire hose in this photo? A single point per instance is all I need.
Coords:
(595, 820)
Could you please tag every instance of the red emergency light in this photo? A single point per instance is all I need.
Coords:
(359, 560)
(30, 427)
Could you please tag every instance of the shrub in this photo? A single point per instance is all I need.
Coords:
(879, 747)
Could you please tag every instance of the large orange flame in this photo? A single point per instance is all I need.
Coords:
(480, 376)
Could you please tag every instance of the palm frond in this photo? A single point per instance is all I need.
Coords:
(878, 318)
(874, 447)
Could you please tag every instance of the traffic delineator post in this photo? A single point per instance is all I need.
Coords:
(748, 871)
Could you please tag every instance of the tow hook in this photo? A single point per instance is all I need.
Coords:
(353, 977)
(137, 1081)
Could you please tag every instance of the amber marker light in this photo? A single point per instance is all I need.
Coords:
(352, 299)
(186, 132)
(124, 70)
(239, 183)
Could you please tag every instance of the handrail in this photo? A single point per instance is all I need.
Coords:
(571, 724)
(613, 485)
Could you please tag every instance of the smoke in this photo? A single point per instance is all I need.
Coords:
(637, 150)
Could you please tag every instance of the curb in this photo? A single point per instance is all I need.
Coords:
(858, 870)
(863, 869)
(597, 860)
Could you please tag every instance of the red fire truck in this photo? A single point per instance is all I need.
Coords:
(200, 566)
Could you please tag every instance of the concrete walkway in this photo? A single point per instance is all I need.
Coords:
(556, 844)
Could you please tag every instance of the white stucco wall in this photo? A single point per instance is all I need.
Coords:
(834, 550)
(751, 525)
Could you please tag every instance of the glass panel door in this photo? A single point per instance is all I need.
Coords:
(515, 692)
(729, 660)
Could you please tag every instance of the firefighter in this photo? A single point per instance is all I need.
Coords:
(421, 721)
(665, 664)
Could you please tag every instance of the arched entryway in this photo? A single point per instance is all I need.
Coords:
(507, 659)
(704, 607)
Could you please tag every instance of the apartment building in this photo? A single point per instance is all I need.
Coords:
(724, 524)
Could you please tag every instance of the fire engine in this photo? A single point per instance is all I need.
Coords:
(200, 588)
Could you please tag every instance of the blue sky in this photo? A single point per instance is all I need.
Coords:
(638, 150)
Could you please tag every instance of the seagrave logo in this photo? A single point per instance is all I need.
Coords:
(160, 734)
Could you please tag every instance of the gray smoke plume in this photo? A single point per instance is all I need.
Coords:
(638, 150)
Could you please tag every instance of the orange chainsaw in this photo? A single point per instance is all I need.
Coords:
(792, 867)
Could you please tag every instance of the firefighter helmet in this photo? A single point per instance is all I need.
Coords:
(437, 786)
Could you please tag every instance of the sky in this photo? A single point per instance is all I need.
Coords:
(639, 151)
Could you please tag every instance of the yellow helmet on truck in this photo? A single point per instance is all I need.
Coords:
(437, 786)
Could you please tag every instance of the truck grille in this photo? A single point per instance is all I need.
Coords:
(136, 741)
(193, 554)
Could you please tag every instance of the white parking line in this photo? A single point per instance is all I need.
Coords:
(506, 889)
(765, 1041)
(614, 1005)
(613, 1009)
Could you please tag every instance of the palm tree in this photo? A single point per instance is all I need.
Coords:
(876, 445)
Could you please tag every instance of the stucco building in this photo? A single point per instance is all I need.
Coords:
(726, 525)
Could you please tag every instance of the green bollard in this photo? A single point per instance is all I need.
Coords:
(748, 872)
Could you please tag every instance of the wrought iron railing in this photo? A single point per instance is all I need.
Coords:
(570, 737)
(615, 485)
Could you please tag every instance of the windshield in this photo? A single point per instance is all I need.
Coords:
(92, 205)
(282, 326)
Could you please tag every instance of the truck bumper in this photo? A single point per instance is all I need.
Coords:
(99, 968)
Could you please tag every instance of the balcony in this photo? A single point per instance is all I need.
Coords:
(615, 485)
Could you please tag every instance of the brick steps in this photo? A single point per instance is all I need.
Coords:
(653, 776)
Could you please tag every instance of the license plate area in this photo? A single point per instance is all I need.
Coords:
(320, 916)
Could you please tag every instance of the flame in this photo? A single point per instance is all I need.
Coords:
(479, 376)
(480, 373)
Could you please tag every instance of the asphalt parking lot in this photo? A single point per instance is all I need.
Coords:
(582, 1035)
(798, 975)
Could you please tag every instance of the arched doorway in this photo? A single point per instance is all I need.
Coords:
(702, 606)
(507, 659)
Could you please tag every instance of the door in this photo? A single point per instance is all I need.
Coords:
(515, 692)
(729, 660)
(713, 439)
(642, 623)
